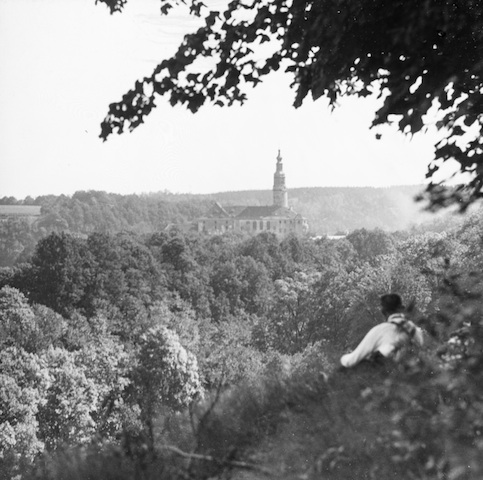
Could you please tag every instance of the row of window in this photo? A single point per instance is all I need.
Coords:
(254, 224)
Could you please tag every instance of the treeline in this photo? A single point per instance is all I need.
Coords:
(92, 211)
(107, 339)
(328, 210)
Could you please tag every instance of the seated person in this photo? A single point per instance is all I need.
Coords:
(388, 338)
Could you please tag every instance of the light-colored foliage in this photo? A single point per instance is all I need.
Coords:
(166, 374)
(65, 417)
(107, 364)
(228, 356)
(17, 321)
(23, 383)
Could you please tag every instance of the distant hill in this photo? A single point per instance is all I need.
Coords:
(328, 209)
(338, 209)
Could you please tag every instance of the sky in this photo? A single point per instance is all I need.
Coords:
(62, 62)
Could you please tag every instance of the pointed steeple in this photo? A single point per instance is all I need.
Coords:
(280, 196)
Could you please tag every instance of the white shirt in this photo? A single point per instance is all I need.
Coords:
(386, 338)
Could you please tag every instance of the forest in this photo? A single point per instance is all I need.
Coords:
(132, 351)
(164, 354)
(328, 210)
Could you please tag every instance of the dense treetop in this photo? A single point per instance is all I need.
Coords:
(125, 341)
(328, 211)
(416, 54)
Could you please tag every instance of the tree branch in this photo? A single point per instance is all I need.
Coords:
(210, 458)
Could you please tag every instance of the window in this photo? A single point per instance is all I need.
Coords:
(261, 225)
(268, 225)
(254, 225)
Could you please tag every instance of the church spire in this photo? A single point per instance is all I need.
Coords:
(280, 196)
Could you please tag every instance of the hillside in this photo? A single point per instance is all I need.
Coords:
(328, 211)
(333, 428)
(377, 421)
(333, 209)
(175, 356)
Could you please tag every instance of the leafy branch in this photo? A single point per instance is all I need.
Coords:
(427, 55)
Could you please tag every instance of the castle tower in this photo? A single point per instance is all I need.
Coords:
(280, 196)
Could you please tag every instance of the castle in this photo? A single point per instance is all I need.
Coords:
(277, 218)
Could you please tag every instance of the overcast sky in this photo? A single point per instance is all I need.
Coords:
(63, 61)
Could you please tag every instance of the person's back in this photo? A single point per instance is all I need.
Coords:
(388, 338)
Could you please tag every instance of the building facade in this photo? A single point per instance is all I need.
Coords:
(277, 218)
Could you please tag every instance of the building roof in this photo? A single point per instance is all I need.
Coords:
(242, 212)
(264, 211)
(20, 210)
(235, 210)
(217, 211)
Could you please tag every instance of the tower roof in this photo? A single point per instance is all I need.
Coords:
(280, 196)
